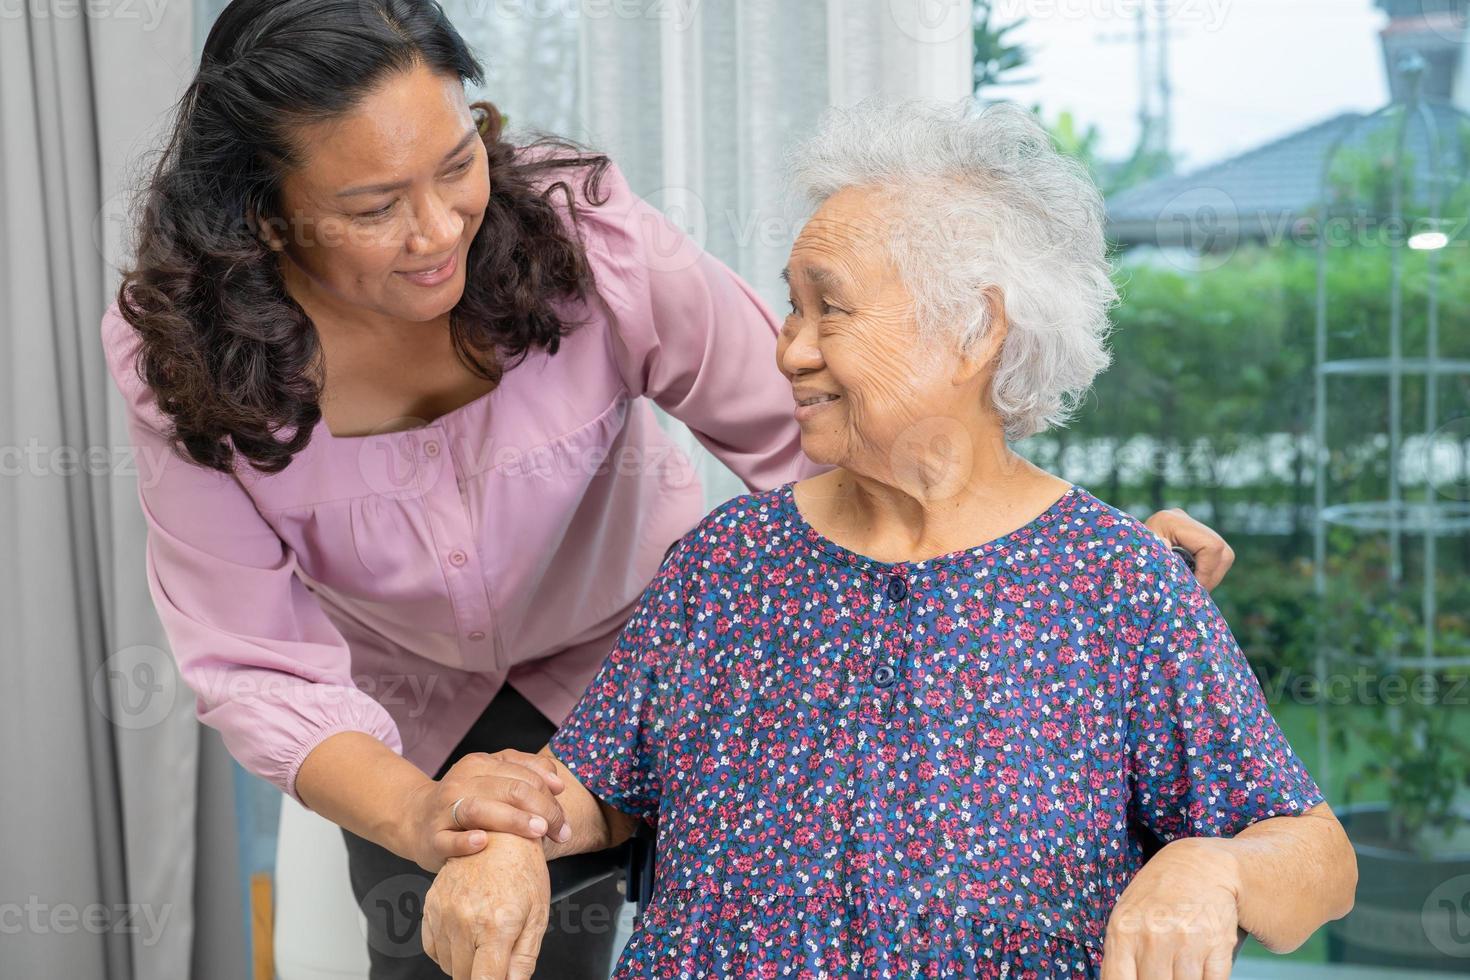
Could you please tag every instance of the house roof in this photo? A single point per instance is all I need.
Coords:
(1256, 195)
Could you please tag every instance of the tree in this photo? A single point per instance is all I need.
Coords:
(997, 57)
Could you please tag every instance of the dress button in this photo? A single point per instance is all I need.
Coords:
(883, 675)
(458, 558)
(477, 636)
(897, 589)
(431, 448)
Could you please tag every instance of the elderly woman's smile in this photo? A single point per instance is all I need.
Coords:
(806, 398)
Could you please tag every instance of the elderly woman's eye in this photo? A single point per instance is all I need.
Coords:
(829, 308)
(791, 306)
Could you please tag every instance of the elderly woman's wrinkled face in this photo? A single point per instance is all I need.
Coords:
(871, 394)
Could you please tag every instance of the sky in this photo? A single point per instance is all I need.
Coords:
(1243, 71)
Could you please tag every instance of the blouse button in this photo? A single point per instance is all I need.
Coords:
(883, 675)
(458, 558)
(477, 636)
(897, 589)
(431, 448)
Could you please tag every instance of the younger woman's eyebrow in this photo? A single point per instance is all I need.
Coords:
(464, 141)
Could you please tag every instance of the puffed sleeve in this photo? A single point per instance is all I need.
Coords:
(613, 740)
(1206, 758)
(693, 336)
(268, 669)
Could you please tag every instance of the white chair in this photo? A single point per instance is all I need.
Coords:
(320, 934)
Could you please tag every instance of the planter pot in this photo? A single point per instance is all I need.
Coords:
(1411, 912)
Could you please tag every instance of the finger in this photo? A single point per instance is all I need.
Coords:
(1154, 959)
(502, 818)
(527, 948)
(491, 956)
(1212, 555)
(539, 764)
(1189, 963)
(1118, 964)
(487, 764)
(436, 938)
(1120, 947)
(464, 956)
(457, 843)
(428, 938)
(1189, 533)
(528, 797)
(1219, 962)
(487, 965)
(1159, 525)
(1177, 527)
(1212, 563)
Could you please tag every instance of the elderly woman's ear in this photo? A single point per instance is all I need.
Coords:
(983, 355)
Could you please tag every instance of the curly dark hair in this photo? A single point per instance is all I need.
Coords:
(232, 359)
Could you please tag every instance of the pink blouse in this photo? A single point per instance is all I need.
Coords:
(391, 583)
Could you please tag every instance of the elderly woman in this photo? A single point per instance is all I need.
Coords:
(914, 716)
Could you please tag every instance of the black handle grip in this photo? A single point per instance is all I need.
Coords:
(639, 870)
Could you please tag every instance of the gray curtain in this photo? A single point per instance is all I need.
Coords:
(101, 769)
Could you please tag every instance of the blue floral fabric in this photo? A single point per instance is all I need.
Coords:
(918, 769)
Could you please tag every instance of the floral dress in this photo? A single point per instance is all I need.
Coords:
(932, 768)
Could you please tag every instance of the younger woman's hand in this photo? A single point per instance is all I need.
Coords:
(1212, 555)
(502, 792)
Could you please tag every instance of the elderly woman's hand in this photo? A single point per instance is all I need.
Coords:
(485, 913)
(1177, 919)
(1212, 556)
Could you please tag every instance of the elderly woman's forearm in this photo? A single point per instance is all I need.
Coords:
(595, 825)
(1296, 873)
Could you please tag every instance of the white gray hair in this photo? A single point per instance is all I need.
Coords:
(982, 198)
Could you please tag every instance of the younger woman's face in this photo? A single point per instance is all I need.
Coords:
(379, 218)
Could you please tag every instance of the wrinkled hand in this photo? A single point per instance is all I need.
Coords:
(485, 913)
(504, 792)
(1177, 919)
(1212, 556)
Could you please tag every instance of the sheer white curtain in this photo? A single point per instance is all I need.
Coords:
(698, 101)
